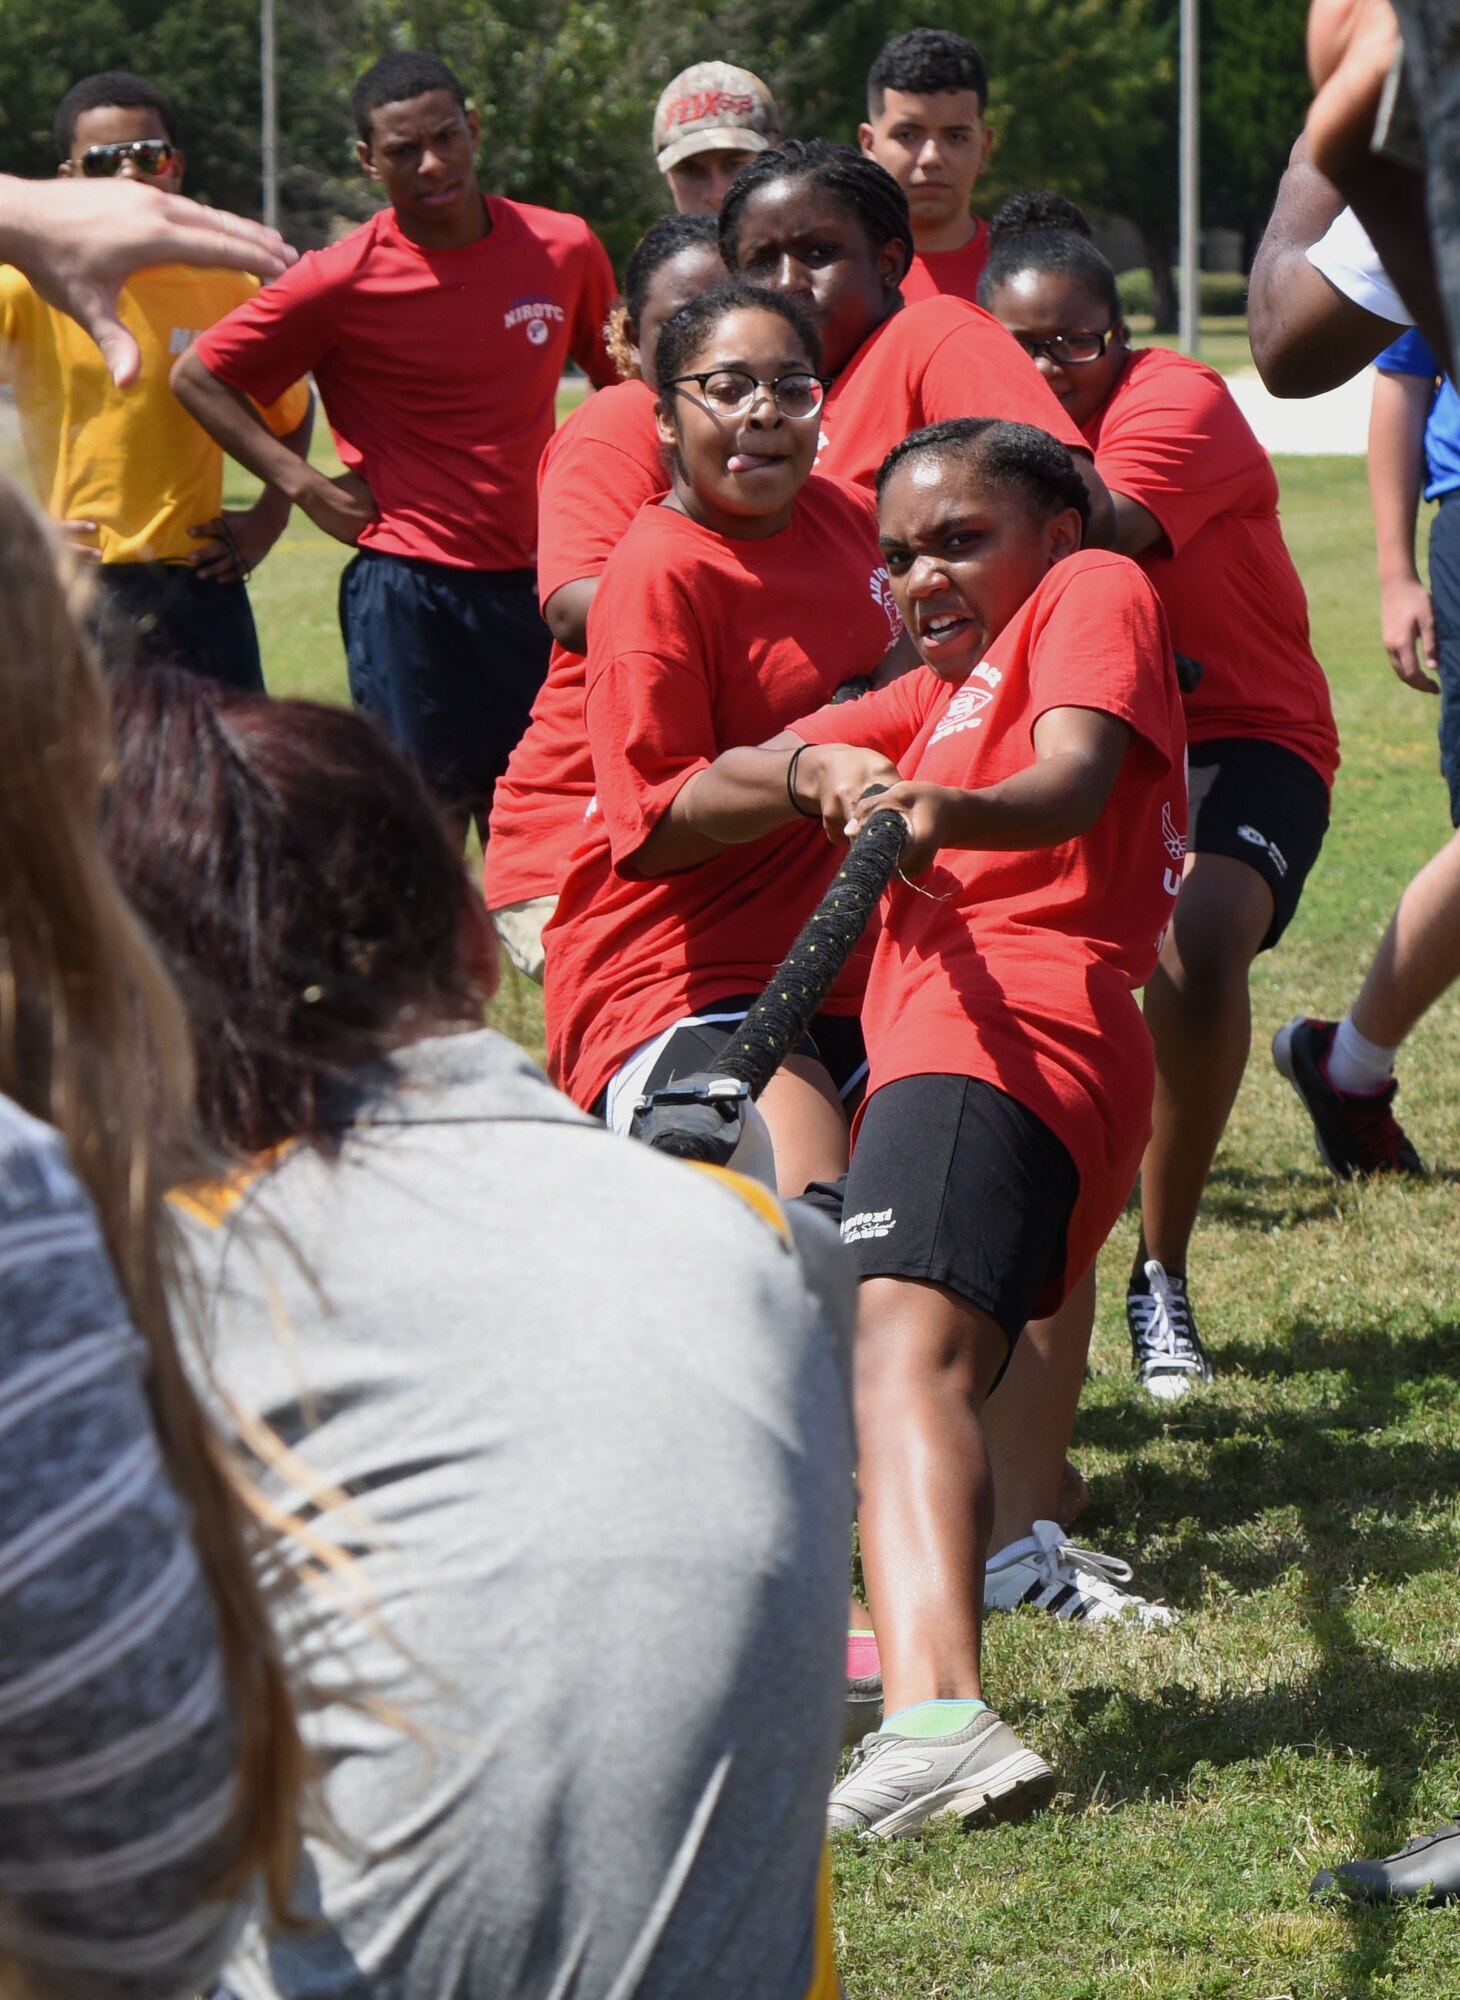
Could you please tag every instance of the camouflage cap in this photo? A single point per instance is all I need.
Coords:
(713, 107)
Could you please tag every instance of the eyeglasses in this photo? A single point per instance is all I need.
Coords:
(725, 392)
(149, 156)
(1067, 349)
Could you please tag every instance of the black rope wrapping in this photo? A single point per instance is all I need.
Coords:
(807, 973)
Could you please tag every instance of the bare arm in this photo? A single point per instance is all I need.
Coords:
(1352, 45)
(1306, 336)
(748, 792)
(78, 242)
(233, 544)
(343, 507)
(1136, 527)
(566, 612)
(1396, 480)
(1100, 534)
(1078, 753)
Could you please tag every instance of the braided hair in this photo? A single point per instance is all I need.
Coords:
(659, 245)
(856, 182)
(1000, 453)
(1041, 231)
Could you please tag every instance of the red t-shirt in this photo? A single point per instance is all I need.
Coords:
(934, 273)
(597, 472)
(438, 369)
(1019, 967)
(1171, 436)
(696, 644)
(943, 358)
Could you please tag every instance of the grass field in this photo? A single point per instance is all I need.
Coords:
(1222, 344)
(1303, 1514)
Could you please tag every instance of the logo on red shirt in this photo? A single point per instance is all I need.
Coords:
(1175, 845)
(536, 316)
(963, 712)
(880, 585)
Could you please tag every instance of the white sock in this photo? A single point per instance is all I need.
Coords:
(1355, 1063)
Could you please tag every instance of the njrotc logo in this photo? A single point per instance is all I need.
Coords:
(880, 585)
(536, 317)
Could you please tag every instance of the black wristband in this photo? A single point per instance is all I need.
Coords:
(796, 805)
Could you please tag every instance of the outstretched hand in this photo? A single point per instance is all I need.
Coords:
(78, 242)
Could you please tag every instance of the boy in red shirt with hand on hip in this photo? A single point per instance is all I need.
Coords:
(437, 333)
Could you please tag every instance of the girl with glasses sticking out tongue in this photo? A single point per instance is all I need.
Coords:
(1196, 505)
(752, 584)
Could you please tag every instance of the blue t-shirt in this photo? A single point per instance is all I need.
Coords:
(1411, 355)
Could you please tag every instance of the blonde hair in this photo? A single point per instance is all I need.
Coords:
(621, 350)
(94, 1040)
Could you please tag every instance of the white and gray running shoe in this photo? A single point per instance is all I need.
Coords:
(980, 1775)
(1053, 1575)
(1166, 1347)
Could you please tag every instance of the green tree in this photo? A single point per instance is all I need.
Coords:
(1254, 96)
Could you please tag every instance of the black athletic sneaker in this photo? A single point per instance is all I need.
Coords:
(1427, 1870)
(1165, 1345)
(1356, 1131)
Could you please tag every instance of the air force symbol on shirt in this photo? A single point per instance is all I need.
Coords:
(1175, 845)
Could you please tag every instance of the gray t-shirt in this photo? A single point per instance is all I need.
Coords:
(591, 1408)
(116, 1732)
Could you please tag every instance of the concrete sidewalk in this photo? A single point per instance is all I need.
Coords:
(1336, 425)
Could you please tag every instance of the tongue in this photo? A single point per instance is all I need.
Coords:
(749, 461)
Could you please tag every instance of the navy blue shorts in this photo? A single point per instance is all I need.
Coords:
(449, 662)
(166, 615)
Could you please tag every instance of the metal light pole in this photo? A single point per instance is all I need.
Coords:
(269, 124)
(1190, 304)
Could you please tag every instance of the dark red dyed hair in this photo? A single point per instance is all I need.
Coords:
(304, 891)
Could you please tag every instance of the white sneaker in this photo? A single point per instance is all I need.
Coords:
(1053, 1575)
(981, 1775)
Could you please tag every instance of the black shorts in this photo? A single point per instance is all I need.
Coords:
(449, 662)
(1257, 802)
(955, 1183)
(833, 1040)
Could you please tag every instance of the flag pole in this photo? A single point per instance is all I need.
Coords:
(1190, 293)
(269, 133)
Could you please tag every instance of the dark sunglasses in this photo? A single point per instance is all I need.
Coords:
(149, 156)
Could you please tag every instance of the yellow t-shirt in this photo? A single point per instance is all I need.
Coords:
(131, 460)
